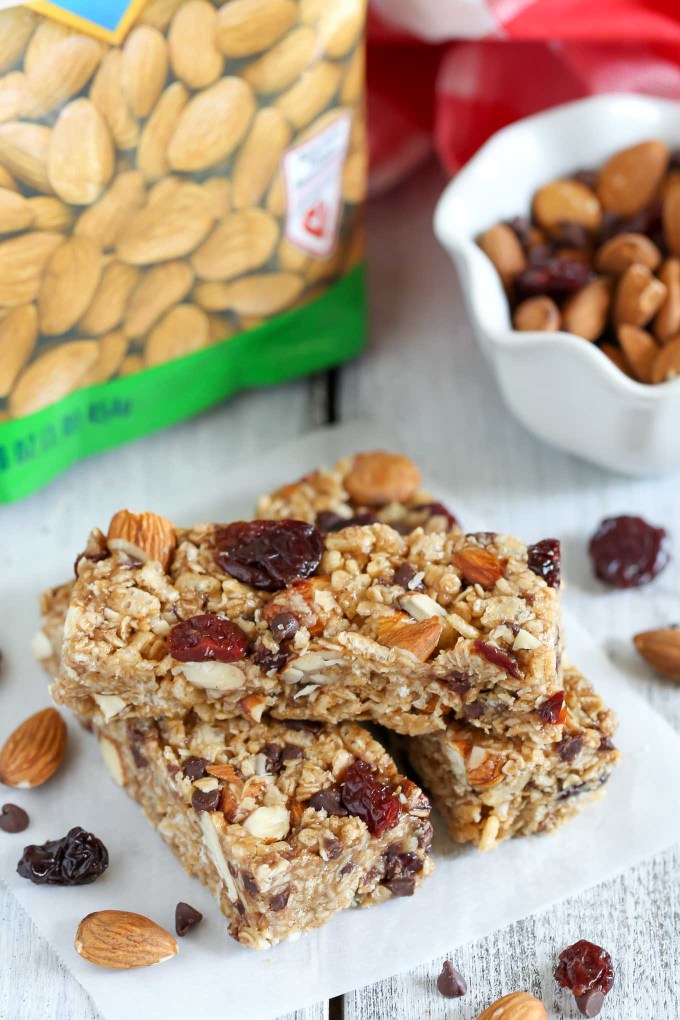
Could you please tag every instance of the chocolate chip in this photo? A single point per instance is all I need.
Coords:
(136, 738)
(607, 744)
(13, 818)
(450, 983)
(405, 886)
(249, 883)
(327, 520)
(569, 748)
(570, 235)
(456, 681)
(328, 800)
(280, 900)
(291, 752)
(206, 801)
(306, 725)
(268, 660)
(404, 574)
(283, 627)
(521, 226)
(398, 865)
(591, 1003)
(186, 918)
(587, 177)
(195, 768)
(272, 754)
(240, 908)
(474, 710)
(346, 868)
(332, 847)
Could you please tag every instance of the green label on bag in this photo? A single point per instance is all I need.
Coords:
(327, 331)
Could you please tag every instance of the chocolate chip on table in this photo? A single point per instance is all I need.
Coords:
(13, 818)
(186, 918)
(283, 627)
(195, 768)
(202, 801)
(590, 1004)
(77, 859)
(450, 983)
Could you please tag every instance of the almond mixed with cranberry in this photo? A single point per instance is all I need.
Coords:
(600, 257)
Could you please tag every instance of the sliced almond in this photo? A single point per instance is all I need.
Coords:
(213, 676)
(120, 940)
(420, 639)
(537, 313)
(586, 312)
(143, 536)
(225, 771)
(34, 751)
(111, 756)
(639, 296)
(667, 362)
(268, 823)
(629, 180)
(621, 251)
(478, 566)
(667, 320)
(484, 768)
(253, 706)
(566, 201)
(379, 477)
(640, 350)
(661, 650)
(502, 246)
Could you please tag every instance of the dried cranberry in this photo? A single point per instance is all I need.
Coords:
(367, 798)
(570, 235)
(267, 660)
(556, 277)
(587, 970)
(627, 552)
(499, 658)
(283, 626)
(207, 637)
(77, 859)
(269, 554)
(545, 560)
(552, 709)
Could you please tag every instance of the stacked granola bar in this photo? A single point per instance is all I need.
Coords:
(226, 668)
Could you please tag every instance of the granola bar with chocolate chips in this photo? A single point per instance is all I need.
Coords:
(287, 824)
(489, 789)
(362, 623)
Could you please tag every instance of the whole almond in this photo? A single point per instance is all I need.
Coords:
(478, 566)
(159, 290)
(81, 157)
(121, 940)
(47, 34)
(15, 212)
(639, 296)
(181, 331)
(194, 55)
(566, 201)
(144, 69)
(667, 319)
(502, 246)
(145, 536)
(52, 376)
(621, 251)
(6, 180)
(108, 96)
(379, 477)
(111, 352)
(167, 229)
(340, 26)
(22, 260)
(12, 96)
(132, 364)
(16, 27)
(640, 350)
(109, 304)
(158, 13)
(629, 180)
(670, 217)
(24, 152)
(258, 157)
(283, 63)
(262, 294)
(72, 275)
(355, 77)
(63, 71)
(585, 313)
(18, 335)
(420, 639)
(152, 158)
(50, 213)
(355, 178)
(246, 27)
(211, 126)
(218, 192)
(310, 93)
(667, 362)
(661, 650)
(276, 199)
(537, 313)
(103, 221)
(34, 751)
(240, 243)
(516, 1006)
(617, 357)
(291, 258)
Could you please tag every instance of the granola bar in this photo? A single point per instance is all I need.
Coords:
(402, 629)
(286, 824)
(489, 789)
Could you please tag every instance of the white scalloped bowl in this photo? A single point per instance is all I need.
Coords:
(561, 387)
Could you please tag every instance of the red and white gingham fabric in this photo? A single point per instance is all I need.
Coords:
(448, 73)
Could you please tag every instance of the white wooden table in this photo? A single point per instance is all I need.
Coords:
(424, 377)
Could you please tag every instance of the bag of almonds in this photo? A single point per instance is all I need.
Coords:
(181, 189)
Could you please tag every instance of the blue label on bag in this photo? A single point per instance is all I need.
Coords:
(106, 19)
